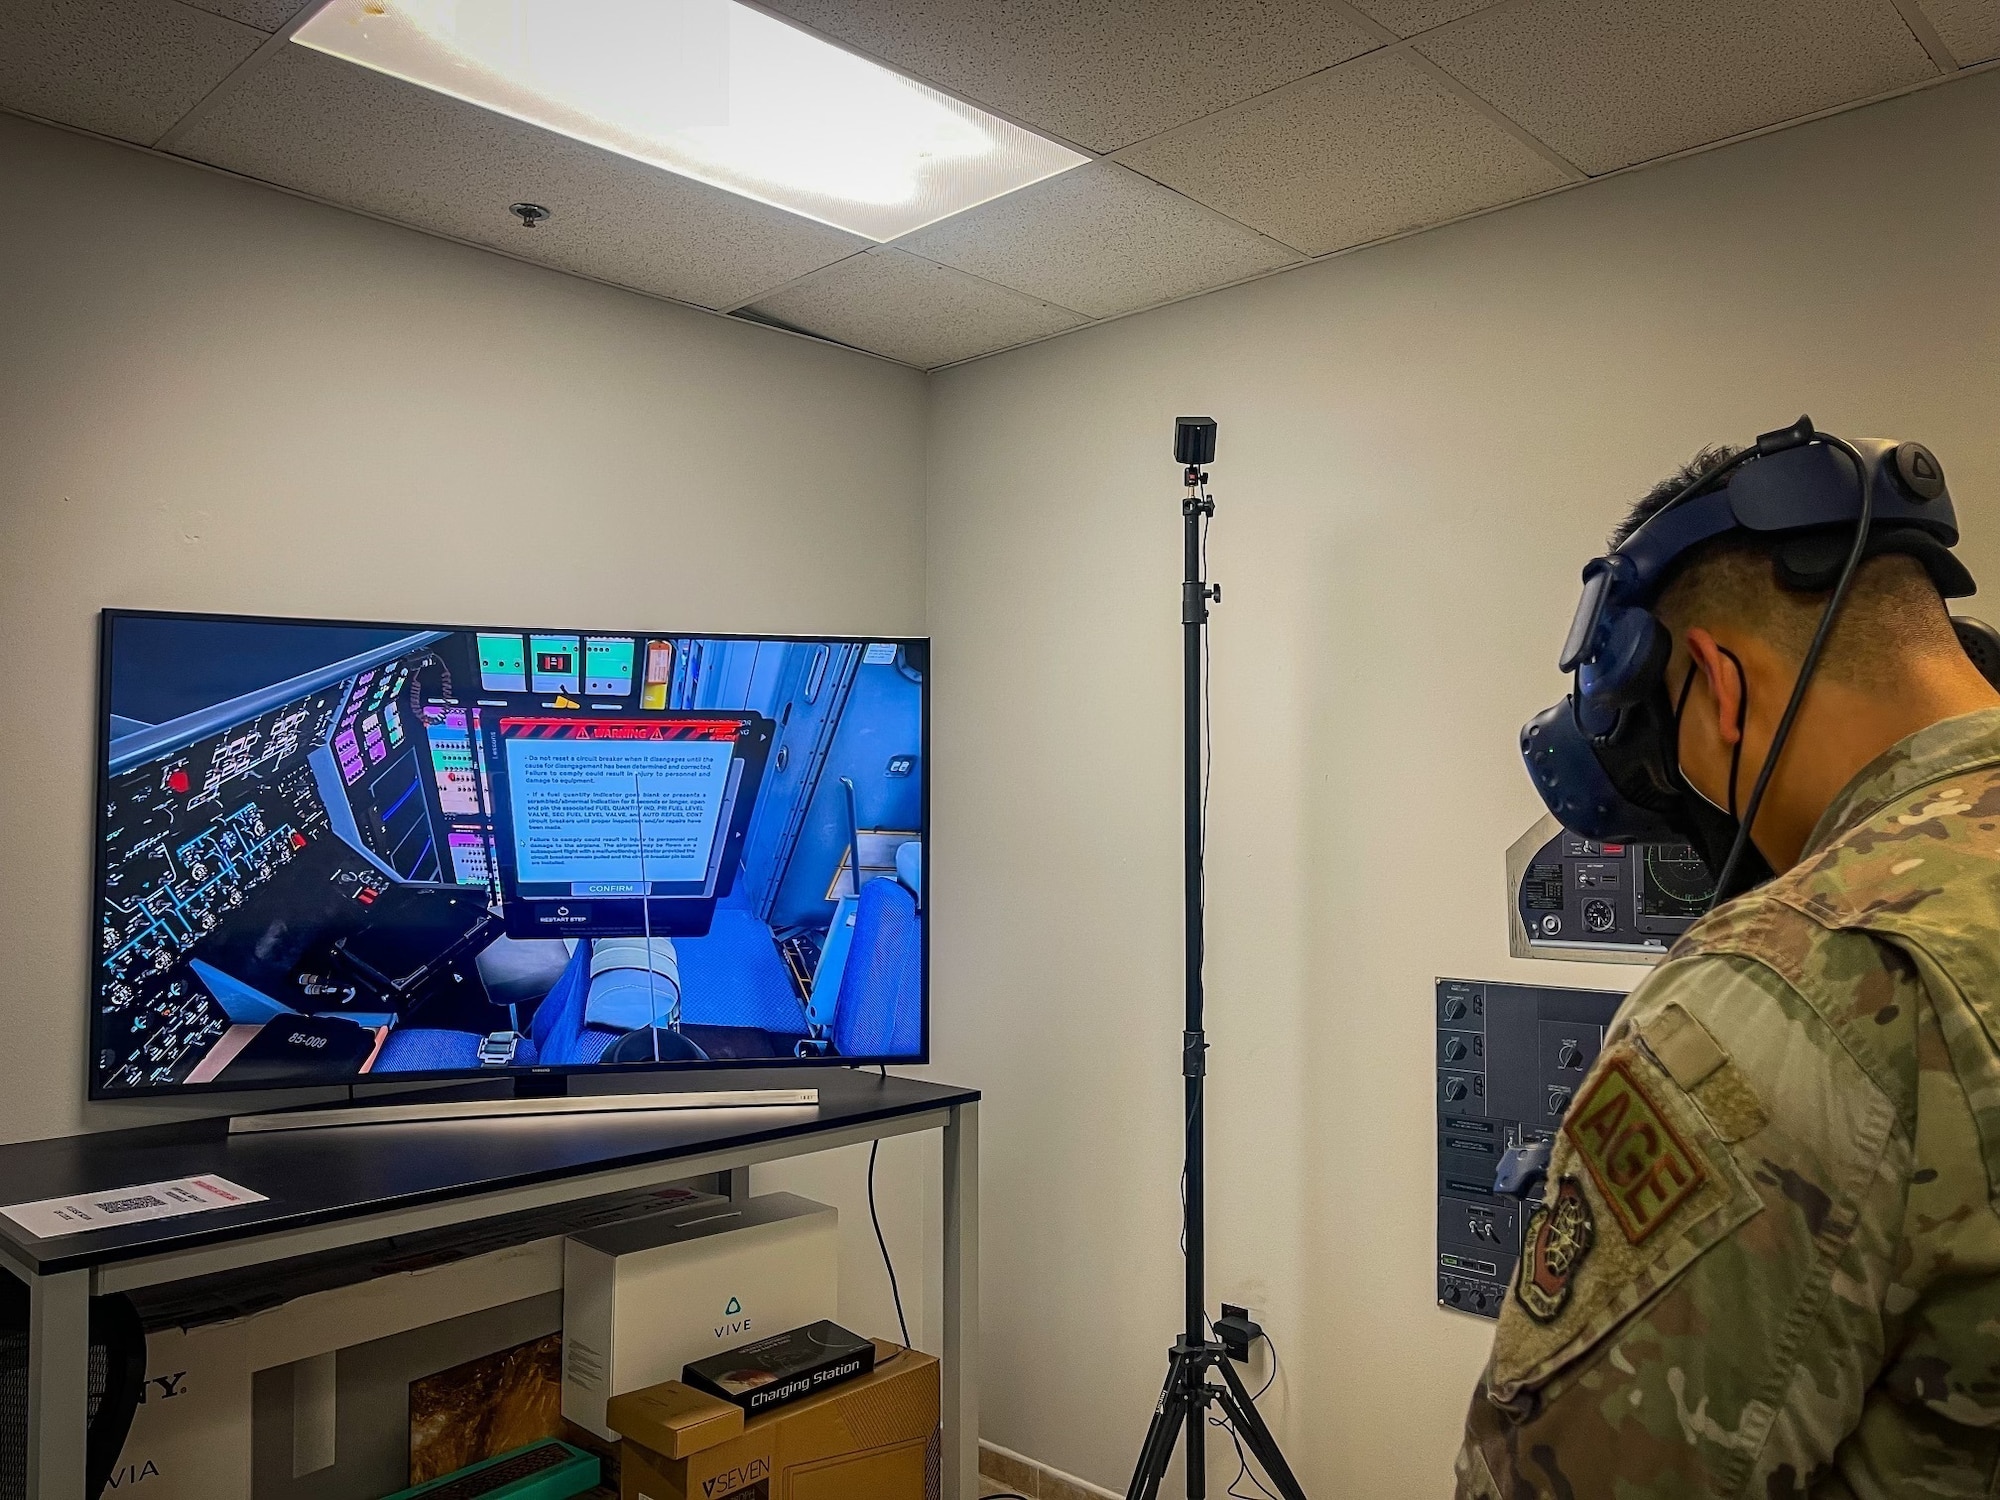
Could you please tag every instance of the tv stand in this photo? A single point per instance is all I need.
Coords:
(335, 1189)
(532, 1094)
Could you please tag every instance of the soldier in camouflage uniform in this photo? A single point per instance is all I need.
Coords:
(1768, 1263)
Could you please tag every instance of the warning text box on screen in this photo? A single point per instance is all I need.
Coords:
(578, 806)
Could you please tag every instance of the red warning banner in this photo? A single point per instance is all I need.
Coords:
(718, 730)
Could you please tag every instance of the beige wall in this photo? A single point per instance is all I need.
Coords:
(215, 396)
(1420, 446)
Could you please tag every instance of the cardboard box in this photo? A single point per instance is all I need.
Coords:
(643, 1299)
(191, 1437)
(675, 1420)
(874, 1438)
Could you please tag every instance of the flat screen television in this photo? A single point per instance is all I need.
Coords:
(329, 852)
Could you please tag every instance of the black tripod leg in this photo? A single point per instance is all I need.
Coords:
(1197, 1442)
(1249, 1424)
(1159, 1445)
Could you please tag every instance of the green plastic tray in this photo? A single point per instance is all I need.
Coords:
(548, 1470)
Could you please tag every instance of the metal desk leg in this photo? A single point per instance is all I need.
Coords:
(58, 1388)
(961, 1304)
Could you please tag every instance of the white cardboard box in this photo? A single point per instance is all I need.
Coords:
(644, 1298)
(190, 1438)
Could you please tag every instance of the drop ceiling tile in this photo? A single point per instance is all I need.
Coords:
(1971, 28)
(1102, 240)
(359, 138)
(1612, 82)
(265, 15)
(1408, 17)
(124, 68)
(911, 309)
(1100, 74)
(1351, 155)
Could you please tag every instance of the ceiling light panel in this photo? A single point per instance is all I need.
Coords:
(711, 90)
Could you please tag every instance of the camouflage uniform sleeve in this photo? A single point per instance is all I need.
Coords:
(1698, 1305)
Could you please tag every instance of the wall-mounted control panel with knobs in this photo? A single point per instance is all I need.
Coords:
(1510, 1057)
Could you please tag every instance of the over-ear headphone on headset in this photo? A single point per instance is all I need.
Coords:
(1606, 758)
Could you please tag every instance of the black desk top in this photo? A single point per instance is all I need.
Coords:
(323, 1176)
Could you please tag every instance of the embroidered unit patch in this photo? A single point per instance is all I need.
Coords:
(1640, 1164)
(1559, 1237)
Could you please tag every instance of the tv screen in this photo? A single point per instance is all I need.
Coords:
(332, 852)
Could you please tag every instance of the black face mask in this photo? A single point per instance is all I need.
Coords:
(1712, 830)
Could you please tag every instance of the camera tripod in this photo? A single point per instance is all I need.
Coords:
(1188, 1393)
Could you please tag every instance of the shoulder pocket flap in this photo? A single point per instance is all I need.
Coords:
(1640, 1185)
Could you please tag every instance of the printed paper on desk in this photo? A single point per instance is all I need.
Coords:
(131, 1205)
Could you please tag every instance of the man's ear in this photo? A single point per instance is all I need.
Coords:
(1723, 676)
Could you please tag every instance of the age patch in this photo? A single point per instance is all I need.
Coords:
(1638, 1161)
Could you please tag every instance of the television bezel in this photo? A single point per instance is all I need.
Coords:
(102, 783)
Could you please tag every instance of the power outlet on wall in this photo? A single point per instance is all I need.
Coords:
(1237, 1329)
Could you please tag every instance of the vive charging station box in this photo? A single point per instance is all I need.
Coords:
(784, 1368)
(643, 1300)
(875, 1437)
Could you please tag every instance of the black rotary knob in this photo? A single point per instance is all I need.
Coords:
(1454, 1089)
(1569, 1055)
(1454, 1010)
(1454, 1049)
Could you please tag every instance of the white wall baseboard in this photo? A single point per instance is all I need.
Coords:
(1083, 1486)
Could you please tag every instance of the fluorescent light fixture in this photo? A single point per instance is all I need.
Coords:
(709, 89)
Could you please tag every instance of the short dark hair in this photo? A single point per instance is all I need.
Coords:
(1893, 612)
(1655, 500)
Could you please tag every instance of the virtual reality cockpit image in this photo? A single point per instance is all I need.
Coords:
(331, 852)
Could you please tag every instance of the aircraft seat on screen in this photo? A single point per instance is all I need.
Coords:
(519, 971)
(635, 982)
(558, 1032)
(631, 984)
(879, 1012)
(553, 1035)
(424, 1049)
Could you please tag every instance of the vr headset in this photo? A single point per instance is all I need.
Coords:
(1606, 758)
